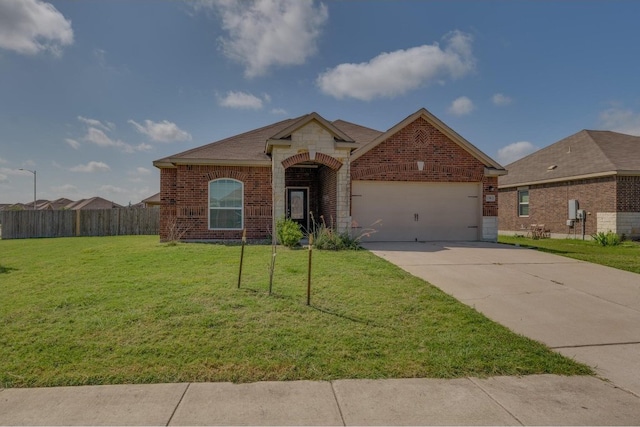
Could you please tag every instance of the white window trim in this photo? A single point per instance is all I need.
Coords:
(209, 208)
(520, 190)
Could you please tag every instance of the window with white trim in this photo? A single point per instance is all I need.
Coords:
(226, 202)
(523, 202)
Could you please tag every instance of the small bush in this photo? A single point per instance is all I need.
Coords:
(606, 239)
(288, 232)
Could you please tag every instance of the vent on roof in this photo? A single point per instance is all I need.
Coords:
(552, 167)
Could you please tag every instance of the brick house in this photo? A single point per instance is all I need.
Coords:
(419, 180)
(598, 169)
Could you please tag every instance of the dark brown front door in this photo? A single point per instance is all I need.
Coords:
(298, 206)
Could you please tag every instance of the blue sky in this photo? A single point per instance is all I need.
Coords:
(91, 92)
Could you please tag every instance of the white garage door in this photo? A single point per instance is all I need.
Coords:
(410, 211)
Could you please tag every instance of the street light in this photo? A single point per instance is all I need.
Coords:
(34, 185)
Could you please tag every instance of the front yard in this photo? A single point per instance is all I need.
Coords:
(108, 310)
(626, 256)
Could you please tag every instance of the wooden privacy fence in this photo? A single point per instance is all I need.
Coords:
(68, 223)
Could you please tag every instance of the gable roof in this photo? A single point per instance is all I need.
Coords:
(586, 154)
(251, 148)
(285, 134)
(446, 130)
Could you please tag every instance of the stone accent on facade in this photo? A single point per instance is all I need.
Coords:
(623, 223)
(314, 137)
(490, 228)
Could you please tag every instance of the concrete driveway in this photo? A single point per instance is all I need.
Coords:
(585, 311)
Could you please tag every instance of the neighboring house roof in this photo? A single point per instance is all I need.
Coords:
(57, 204)
(92, 203)
(151, 200)
(586, 154)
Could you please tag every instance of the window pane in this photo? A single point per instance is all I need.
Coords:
(523, 203)
(225, 193)
(225, 218)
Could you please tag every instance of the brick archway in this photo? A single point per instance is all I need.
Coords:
(320, 158)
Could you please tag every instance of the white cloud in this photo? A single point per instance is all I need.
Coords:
(164, 131)
(3, 161)
(143, 171)
(99, 138)
(515, 151)
(33, 26)
(265, 33)
(392, 74)
(461, 106)
(621, 120)
(4, 178)
(279, 111)
(91, 167)
(72, 143)
(241, 100)
(97, 123)
(500, 99)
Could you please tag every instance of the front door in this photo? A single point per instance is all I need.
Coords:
(298, 206)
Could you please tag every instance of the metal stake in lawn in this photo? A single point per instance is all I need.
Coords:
(309, 270)
(244, 240)
(272, 266)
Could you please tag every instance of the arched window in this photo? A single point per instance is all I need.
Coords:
(226, 201)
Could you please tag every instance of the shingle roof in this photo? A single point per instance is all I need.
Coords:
(249, 147)
(586, 153)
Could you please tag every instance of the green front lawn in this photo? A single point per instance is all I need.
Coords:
(107, 310)
(626, 256)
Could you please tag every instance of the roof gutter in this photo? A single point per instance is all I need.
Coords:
(175, 162)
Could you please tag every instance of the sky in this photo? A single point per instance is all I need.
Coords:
(92, 92)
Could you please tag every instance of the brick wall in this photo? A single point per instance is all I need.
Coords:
(444, 161)
(628, 194)
(548, 204)
(328, 194)
(184, 193)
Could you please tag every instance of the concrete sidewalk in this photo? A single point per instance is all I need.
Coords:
(531, 400)
(585, 311)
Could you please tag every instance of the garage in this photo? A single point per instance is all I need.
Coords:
(417, 211)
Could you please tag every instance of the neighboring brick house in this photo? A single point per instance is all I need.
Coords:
(419, 180)
(598, 169)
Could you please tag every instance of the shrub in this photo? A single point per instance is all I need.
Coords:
(606, 239)
(328, 238)
(288, 232)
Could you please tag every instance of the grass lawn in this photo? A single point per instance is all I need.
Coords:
(108, 310)
(626, 256)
